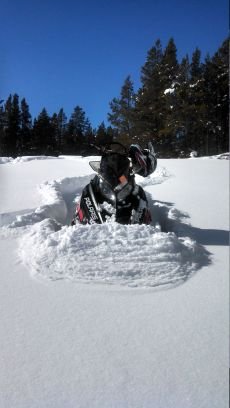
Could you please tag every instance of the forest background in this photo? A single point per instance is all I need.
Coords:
(181, 106)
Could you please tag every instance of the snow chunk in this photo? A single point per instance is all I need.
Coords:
(158, 177)
(169, 91)
(193, 154)
(130, 255)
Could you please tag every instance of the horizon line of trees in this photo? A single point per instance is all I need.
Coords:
(180, 106)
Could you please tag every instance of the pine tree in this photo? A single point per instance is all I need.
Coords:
(169, 65)
(148, 115)
(26, 128)
(101, 135)
(196, 108)
(181, 109)
(122, 112)
(62, 128)
(78, 121)
(43, 134)
(168, 101)
(220, 65)
(2, 128)
(55, 128)
(156, 101)
(76, 130)
(89, 133)
(104, 135)
(12, 129)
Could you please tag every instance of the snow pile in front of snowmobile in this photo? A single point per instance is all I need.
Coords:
(130, 255)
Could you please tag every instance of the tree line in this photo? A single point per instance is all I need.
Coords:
(46, 135)
(180, 106)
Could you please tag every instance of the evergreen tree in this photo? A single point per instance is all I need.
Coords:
(220, 92)
(169, 65)
(2, 128)
(43, 134)
(55, 129)
(196, 67)
(148, 115)
(104, 135)
(197, 113)
(168, 101)
(62, 128)
(156, 100)
(12, 130)
(181, 109)
(77, 127)
(122, 112)
(101, 135)
(89, 132)
(26, 127)
(78, 121)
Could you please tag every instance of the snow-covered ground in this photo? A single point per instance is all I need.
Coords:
(114, 316)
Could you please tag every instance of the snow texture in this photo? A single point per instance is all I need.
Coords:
(110, 254)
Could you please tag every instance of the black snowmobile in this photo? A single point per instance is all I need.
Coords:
(113, 194)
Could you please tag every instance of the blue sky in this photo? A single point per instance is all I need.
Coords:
(59, 53)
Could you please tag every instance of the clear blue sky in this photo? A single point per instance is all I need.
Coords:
(58, 53)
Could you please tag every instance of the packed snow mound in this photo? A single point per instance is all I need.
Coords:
(23, 159)
(131, 255)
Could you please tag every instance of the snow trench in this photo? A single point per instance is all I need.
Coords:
(127, 255)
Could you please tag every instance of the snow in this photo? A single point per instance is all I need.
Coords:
(169, 91)
(24, 159)
(114, 316)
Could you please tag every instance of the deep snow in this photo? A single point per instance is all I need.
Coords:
(122, 340)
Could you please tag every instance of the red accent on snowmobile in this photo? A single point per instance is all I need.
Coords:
(79, 213)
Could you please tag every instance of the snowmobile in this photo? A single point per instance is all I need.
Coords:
(113, 195)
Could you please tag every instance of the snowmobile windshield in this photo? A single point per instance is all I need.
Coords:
(95, 165)
(115, 176)
(115, 169)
